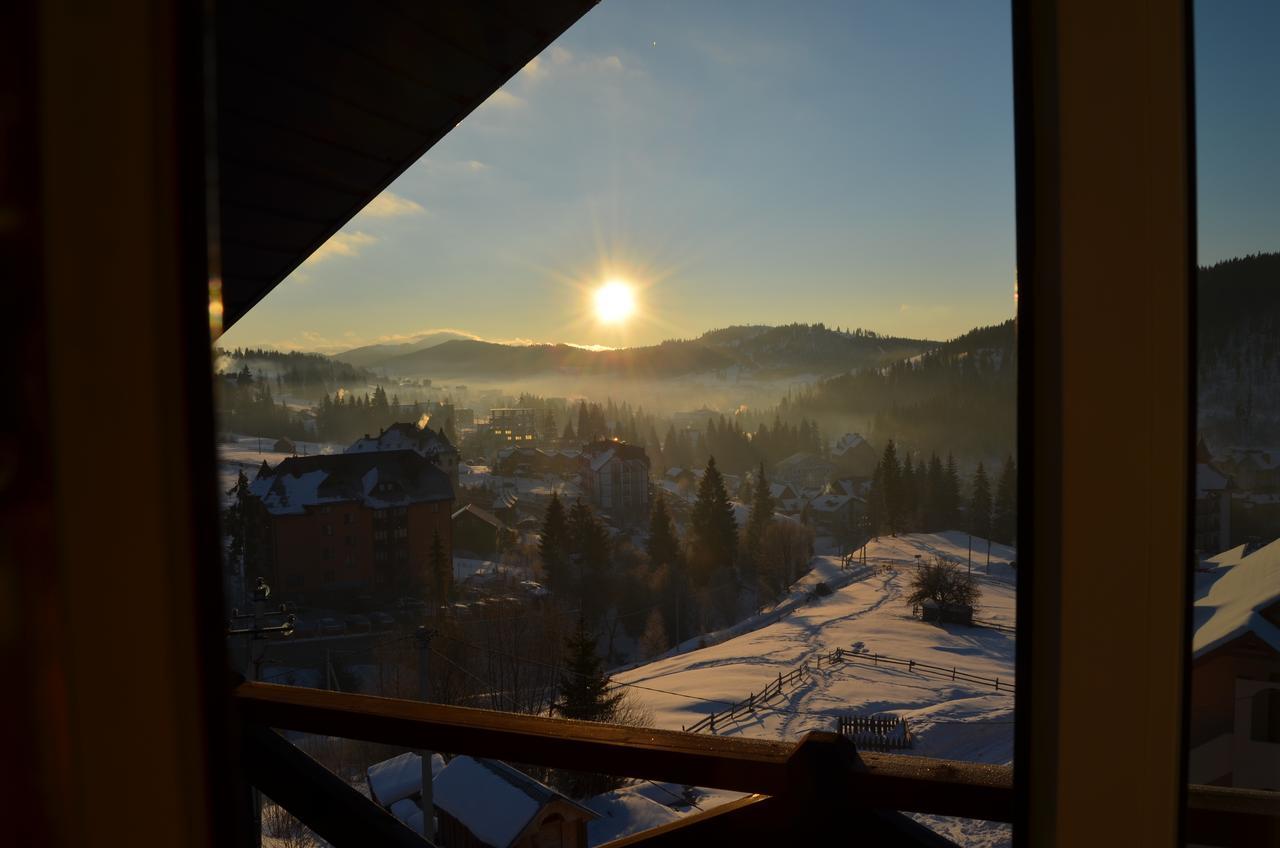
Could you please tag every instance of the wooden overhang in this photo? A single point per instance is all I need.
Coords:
(320, 106)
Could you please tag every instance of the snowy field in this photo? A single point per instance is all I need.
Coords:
(954, 720)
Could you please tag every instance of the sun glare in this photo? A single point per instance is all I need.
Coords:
(615, 302)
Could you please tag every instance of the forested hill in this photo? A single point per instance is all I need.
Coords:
(1238, 350)
(301, 372)
(755, 351)
(959, 397)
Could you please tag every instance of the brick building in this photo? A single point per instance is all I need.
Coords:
(339, 526)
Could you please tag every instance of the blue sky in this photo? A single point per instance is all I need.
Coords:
(737, 163)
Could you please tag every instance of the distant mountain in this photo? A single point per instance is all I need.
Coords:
(1238, 351)
(370, 356)
(747, 351)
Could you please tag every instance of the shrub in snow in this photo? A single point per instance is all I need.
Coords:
(821, 590)
(944, 583)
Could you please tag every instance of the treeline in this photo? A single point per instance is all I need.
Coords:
(303, 373)
(678, 584)
(245, 404)
(959, 396)
(907, 497)
(347, 416)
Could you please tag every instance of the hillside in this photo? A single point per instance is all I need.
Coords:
(1238, 324)
(960, 396)
(757, 351)
(865, 615)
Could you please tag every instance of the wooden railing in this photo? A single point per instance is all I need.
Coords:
(799, 791)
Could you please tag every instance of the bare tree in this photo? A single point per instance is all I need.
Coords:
(943, 582)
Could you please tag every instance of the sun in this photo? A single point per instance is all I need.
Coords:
(615, 302)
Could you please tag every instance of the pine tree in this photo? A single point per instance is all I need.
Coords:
(910, 496)
(714, 528)
(933, 497)
(553, 546)
(1004, 518)
(662, 546)
(758, 521)
(584, 687)
(980, 505)
(891, 487)
(568, 437)
(950, 497)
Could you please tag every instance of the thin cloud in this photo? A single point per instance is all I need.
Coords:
(341, 243)
(391, 205)
(504, 99)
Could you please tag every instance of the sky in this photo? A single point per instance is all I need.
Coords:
(740, 162)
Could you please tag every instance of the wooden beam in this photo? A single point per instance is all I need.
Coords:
(317, 797)
(1104, 267)
(822, 765)
(1223, 815)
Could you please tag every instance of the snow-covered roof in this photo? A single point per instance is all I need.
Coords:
(383, 478)
(830, 503)
(601, 459)
(482, 514)
(404, 436)
(1209, 479)
(1234, 604)
(409, 813)
(846, 443)
(395, 779)
(492, 800)
(800, 460)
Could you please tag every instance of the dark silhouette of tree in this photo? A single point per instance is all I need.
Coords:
(1004, 518)
(714, 529)
(980, 504)
(553, 546)
(944, 583)
(758, 521)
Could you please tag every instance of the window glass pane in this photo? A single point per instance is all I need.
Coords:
(1235, 672)
(674, 387)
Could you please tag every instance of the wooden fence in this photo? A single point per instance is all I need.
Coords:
(875, 733)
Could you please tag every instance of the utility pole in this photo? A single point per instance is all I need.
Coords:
(970, 554)
(424, 693)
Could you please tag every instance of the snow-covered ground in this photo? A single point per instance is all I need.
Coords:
(948, 719)
(247, 454)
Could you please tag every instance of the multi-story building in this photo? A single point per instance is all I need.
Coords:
(615, 480)
(337, 526)
(514, 424)
(433, 446)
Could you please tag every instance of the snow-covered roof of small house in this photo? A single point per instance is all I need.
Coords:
(506, 499)
(1234, 604)
(399, 777)
(384, 478)
(830, 503)
(492, 800)
(404, 436)
(482, 514)
(846, 443)
(1209, 479)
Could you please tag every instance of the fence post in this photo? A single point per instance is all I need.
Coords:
(997, 684)
(953, 672)
(712, 725)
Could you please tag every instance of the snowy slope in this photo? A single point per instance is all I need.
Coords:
(955, 720)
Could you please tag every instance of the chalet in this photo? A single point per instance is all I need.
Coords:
(854, 456)
(336, 525)
(615, 480)
(834, 514)
(504, 505)
(488, 804)
(804, 470)
(432, 445)
(284, 445)
(478, 532)
(1235, 671)
(786, 498)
